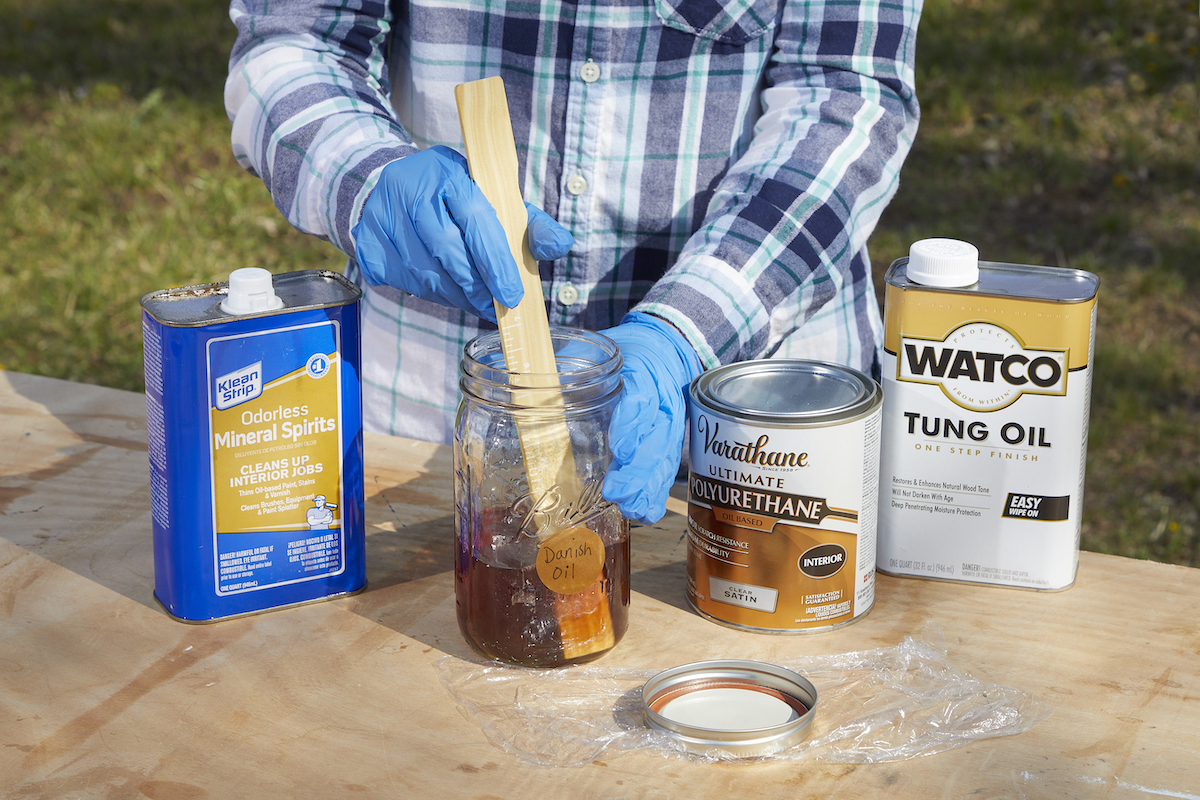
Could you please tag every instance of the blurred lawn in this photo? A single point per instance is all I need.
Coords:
(1060, 132)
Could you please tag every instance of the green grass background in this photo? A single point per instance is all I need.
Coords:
(1061, 132)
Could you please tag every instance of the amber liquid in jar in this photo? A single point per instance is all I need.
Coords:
(542, 568)
(506, 612)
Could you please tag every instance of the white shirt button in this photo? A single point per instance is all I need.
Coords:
(568, 295)
(590, 71)
(576, 184)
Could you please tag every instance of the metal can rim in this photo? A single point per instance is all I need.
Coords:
(1061, 285)
(864, 395)
(196, 306)
(788, 686)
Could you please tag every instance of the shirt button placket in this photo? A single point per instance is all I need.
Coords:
(581, 132)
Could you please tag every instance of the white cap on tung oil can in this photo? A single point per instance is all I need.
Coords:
(943, 263)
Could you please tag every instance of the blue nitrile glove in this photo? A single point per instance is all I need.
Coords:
(646, 432)
(428, 230)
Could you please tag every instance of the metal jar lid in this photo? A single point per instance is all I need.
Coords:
(733, 708)
(787, 392)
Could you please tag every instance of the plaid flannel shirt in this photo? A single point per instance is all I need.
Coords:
(721, 164)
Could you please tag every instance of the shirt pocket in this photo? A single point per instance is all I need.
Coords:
(726, 21)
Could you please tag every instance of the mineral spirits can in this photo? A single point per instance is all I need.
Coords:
(987, 383)
(254, 427)
(782, 491)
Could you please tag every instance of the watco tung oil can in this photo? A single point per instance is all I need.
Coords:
(987, 377)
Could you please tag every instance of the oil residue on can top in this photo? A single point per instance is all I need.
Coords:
(254, 427)
(987, 384)
(784, 468)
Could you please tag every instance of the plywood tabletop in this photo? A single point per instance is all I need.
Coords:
(104, 695)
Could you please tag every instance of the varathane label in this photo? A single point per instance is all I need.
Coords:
(275, 443)
(985, 420)
(781, 521)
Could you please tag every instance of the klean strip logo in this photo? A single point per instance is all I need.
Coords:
(982, 366)
(238, 386)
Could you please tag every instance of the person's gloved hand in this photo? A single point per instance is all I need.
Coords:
(646, 432)
(428, 230)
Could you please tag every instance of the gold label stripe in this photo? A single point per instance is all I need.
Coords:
(1038, 324)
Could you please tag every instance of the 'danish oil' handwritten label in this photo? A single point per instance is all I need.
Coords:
(570, 560)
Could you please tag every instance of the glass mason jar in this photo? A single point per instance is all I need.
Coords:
(542, 570)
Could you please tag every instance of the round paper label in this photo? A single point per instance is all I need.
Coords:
(570, 560)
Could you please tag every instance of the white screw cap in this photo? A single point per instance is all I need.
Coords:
(943, 263)
(250, 291)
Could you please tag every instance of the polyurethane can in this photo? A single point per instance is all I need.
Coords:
(987, 384)
(782, 491)
(254, 428)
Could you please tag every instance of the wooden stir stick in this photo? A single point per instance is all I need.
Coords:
(584, 618)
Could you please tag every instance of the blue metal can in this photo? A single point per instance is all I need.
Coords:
(254, 428)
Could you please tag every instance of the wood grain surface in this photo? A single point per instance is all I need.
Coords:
(525, 329)
(102, 695)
